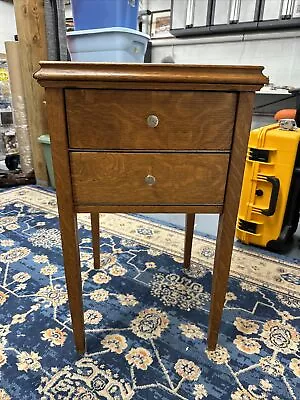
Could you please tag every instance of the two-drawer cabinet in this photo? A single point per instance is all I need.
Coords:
(148, 138)
(137, 147)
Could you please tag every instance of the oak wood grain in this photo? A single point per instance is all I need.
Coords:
(227, 220)
(154, 208)
(67, 214)
(249, 76)
(118, 119)
(113, 178)
(141, 85)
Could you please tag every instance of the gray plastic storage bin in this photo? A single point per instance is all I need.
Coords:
(108, 45)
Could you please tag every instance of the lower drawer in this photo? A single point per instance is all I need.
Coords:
(148, 178)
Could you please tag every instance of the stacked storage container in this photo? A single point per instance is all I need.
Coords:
(105, 31)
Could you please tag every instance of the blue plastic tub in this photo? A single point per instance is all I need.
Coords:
(94, 14)
(108, 45)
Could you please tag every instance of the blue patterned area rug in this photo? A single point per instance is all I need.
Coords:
(146, 321)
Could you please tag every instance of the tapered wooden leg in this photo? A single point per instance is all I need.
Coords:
(189, 233)
(67, 214)
(68, 227)
(220, 277)
(227, 221)
(96, 239)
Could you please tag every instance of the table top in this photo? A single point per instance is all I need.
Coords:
(66, 74)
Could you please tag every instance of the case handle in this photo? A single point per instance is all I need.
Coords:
(275, 182)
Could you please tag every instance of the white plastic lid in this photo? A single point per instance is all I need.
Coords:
(105, 30)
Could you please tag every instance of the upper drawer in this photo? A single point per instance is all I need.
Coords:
(153, 120)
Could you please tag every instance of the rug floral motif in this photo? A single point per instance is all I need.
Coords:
(146, 319)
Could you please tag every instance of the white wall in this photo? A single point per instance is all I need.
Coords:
(279, 52)
(156, 5)
(7, 23)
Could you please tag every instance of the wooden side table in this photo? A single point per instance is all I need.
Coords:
(148, 138)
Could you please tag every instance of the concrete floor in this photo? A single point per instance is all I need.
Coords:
(207, 224)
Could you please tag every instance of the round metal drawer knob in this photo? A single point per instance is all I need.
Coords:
(150, 180)
(152, 121)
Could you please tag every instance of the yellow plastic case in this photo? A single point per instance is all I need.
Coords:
(269, 168)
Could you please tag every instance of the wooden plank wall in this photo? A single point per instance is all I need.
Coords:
(30, 22)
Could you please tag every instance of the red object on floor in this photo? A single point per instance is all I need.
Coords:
(289, 113)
